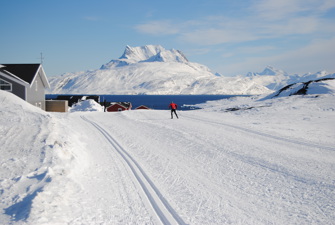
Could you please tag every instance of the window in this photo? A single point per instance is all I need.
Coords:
(6, 86)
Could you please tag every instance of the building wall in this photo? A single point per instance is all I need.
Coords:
(56, 106)
(17, 88)
(36, 93)
(115, 108)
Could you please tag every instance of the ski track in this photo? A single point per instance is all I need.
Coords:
(161, 208)
(293, 185)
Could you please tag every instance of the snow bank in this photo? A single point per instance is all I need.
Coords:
(87, 105)
(37, 156)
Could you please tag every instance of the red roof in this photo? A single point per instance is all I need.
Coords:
(142, 107)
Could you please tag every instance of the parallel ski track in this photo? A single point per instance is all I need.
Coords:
(297, 142)
(162, 208)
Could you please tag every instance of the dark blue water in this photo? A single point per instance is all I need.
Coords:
(184, 102)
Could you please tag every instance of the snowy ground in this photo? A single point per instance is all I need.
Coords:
(271, 162)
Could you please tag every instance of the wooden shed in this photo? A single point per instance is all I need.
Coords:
(56, 106)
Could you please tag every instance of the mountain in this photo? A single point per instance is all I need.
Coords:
(311, 87)
(151, 69)
(275, 79)
(148, 53)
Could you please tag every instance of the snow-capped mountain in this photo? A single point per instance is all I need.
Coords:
(148, 53)
(275, 79)
(316, 87)
(151, 69)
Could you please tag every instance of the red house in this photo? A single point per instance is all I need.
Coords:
(142, 107)
(119, 106)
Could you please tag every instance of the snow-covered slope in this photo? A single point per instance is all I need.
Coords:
(319, 86)
(152, 69)
(276, 79)
(37, 157)
(272, 163)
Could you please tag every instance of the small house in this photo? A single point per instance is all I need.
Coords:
(27, 81)
(119, 106)
(142, 107)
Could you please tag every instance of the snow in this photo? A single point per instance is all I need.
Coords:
(275, 79)
(244, 160)
(87, 105)
(154, 70)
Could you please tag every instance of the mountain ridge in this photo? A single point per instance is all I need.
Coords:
(152, 69)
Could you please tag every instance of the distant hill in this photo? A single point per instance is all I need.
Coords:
(274, 79)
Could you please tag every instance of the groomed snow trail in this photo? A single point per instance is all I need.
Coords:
(141, 167)
(163, 212)
(268, 165)
(217, 171)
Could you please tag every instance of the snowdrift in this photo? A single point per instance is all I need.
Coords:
(37, 153)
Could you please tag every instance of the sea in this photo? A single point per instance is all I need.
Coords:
(159, 102)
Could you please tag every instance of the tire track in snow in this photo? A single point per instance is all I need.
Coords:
(162, 209)
(297, 142)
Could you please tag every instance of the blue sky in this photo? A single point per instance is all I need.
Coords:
(230, 37)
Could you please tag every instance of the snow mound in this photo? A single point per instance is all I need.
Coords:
(87, 105)
(37, 156)
(13, 102)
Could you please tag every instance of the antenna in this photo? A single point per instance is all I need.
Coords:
(41, 58)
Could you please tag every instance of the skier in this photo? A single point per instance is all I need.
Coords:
(173, 107)
(105, 105)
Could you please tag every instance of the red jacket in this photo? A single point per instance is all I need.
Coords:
(173, 106)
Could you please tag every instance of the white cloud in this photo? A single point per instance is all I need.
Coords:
(316, 56)
(199, 51)
(327, 5)
(216, 36)
(274, 9)
(218, 30)
(158, 28)
(259, 30)
(293, 26)
(285, 9)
